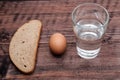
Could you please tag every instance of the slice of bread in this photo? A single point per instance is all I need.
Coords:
(24, 44)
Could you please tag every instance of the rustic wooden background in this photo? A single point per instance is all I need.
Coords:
(56, 17)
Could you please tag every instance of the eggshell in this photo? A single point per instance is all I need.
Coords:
(57, 43)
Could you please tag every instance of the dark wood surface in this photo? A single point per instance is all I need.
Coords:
(56, 17)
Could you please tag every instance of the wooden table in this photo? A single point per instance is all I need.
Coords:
(56, 17)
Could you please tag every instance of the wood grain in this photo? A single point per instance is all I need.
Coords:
(56, 17)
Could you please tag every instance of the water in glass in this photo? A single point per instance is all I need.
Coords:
(88, 33)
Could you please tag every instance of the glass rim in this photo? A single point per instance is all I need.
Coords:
(107, 18)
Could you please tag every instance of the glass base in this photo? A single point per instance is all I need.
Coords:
(87, 54)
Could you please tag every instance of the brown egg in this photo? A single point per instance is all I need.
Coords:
(57, 43)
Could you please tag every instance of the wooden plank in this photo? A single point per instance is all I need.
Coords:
(32, 7)
(105, 62)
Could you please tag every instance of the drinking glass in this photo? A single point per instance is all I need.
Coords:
(90, 22)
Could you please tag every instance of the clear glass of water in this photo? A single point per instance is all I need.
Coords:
(90, 22)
